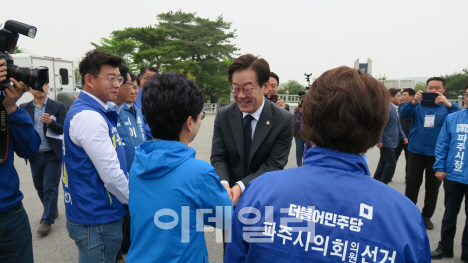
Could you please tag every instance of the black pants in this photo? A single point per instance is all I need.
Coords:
(454, 193)
(386, 166)
(398, 150)
(417, 163)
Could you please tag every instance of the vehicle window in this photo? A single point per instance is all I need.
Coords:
(64, 74)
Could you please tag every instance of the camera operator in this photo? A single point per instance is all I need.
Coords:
(15, 231)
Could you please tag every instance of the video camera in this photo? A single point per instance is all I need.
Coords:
(34, 77)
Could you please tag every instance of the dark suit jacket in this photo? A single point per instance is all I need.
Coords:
(270, 144)
(392, 133)
(58, 110)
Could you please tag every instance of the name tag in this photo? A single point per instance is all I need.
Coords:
(429, 121)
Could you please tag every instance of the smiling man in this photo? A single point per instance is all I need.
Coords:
(252, 136)
(95, 180)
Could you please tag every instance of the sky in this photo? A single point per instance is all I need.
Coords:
(410, 38)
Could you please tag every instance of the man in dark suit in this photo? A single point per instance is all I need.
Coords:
(48, 117)
(406, 95)
(252, 136)
(389, 141)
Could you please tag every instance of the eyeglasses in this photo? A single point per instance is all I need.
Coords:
(247, 90)
(202, 115)
(465, 94)
(113, 80)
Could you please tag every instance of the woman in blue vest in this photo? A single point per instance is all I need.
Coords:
(168, 186)
(330, 209)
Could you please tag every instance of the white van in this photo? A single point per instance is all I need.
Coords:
(61, 73)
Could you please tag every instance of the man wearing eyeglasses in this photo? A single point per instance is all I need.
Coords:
(252, 136)
(95, 179)
(130, 120)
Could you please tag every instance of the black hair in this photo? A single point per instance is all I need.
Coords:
(134, 77)
(144, 69)
(393, 92)
(272, 74)
(436, 78)
(124, 73)
(410, 91)
(94, 59)
(167, 101)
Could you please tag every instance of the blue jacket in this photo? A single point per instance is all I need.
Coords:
(449, 158)
(329, 201)
(393, 132)
(87, 201)
(422, 140)
(25, 141)
(132, 132)
(166, 179)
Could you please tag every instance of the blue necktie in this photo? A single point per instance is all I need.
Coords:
(247, 141)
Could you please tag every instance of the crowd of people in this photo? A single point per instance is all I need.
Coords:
(132, 184)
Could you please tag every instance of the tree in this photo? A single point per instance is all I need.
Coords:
(196, 47)
(292, 86)
(124, 48)
(420, 86)
(456, 82)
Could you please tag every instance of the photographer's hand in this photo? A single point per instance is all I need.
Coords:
(417, 97)
(3, 70)
(442, 99)
(13, 94)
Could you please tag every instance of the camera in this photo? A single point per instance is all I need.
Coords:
(34, 77)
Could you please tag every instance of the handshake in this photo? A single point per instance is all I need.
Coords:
(234, 193)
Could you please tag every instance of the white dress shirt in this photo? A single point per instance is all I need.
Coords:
(256, 116)
(89, 130)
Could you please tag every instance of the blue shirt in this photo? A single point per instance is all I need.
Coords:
(24, 141)
(451, 145)
(422, 140)
(39, 126)
(329, 210)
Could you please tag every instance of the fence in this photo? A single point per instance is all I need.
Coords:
(460, 101)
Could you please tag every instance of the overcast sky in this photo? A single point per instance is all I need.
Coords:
(403, 38)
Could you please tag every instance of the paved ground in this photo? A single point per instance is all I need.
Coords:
(58, 247)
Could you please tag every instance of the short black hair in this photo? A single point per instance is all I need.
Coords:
(135, 78)
(393, 91)
(259, 65)
(144, 69)
(167, 101)
(410, 91)
(124, 73)
(272, 74)
(436, 78)
(94, 59)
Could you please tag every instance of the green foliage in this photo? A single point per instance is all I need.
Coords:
(196, 47)
(456, 82)
(292, 86)
(382, 78)
(420, 86)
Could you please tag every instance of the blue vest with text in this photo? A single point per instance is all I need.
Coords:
(87, 201)
(132, 131)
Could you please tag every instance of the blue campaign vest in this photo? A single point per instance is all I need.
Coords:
(131, 131)
(87, 201)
